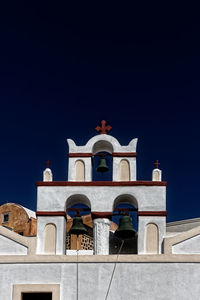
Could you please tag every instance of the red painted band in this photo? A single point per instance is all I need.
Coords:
(124, 154)
(153, 213)
(80, 154)
(101, 215)
(50, 213)
(101, 183)
(114, 154)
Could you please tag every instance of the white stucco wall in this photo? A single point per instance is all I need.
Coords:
(60, 224)
(88, 168)
(10, 247)
(143, 221)
(53, 198)
(88, 148)
(140, 281)
(116, 167)
(189, 246)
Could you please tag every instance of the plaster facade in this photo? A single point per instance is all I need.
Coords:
(171, 269)
(19, 219)
(178, 281)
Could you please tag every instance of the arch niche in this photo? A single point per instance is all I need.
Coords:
(79, 170)
(106, 148)
(50, 239)
(130, 245)
(124, 170)
(152, 239)
(85, 241)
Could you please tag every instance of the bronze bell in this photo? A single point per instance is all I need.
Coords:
(125, 229)
(102, 167)
(78, 227)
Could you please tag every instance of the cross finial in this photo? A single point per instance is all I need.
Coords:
(156, 163)
(47, 163)
(103, 128)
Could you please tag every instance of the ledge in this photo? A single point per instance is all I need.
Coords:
(162, 258)
(101, 183)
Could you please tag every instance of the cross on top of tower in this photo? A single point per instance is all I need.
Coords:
(103, 128)
(156, 163)
(47, 163)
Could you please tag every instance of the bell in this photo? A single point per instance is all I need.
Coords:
(78, 227)
(102, 167)
(125, 230)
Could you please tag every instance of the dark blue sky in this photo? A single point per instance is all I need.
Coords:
(65, 68)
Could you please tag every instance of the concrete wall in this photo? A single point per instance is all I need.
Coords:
(140, 281)
(10, 247)
(53, 198)
(189, 246)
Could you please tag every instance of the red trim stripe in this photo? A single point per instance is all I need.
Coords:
(101, 215)
(80, 154)
(50, 213)
(124, 154)
(101, 183)
(114, 154)
(153, 213)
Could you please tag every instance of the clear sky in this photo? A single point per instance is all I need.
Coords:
(64, 68)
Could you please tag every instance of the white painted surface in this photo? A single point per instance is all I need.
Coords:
(101, 228)
(99, 143)
(116, 168)
(142, 222)
(189, 246)
(72, 170)
(88, 148)
(140, 281)
(10, 247)
(53, 198)
(47, 175)
(60, 224)
(79, 252)
(157, 175)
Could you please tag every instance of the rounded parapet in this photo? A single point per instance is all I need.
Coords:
(102, 142)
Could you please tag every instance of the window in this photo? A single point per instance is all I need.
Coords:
(38, 296)
(5, 218)
(36, 292)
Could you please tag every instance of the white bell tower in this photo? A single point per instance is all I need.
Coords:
(102, 197)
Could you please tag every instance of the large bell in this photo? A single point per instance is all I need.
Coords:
(102, 167)
(125, 229)
(78, 226)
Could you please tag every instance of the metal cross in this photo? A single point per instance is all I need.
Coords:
(103, 128)
(156, 163)
(47, 163)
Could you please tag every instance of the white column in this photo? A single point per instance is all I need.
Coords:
(101, 229)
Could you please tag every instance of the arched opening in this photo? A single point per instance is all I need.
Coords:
(79, 170)
(50, 239)
(124, 170)
(124, 204)
(152, 239)
(102, 149)
(101, 146)
(79, 205)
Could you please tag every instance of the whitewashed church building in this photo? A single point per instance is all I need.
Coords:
(154, 260)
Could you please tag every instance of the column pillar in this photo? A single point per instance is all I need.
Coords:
(101, 229)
